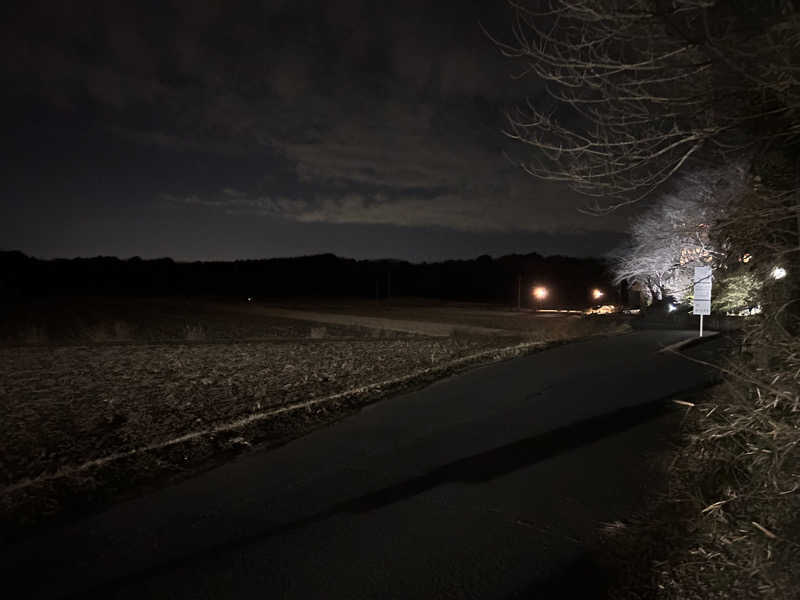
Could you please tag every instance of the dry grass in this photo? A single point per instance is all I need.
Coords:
(741, 475)
(572, 327)
(730, 525)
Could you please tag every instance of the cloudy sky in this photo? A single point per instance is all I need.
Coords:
(221, 130)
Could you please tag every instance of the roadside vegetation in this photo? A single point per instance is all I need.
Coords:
(690, 107)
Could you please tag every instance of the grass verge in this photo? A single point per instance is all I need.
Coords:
(728, 524)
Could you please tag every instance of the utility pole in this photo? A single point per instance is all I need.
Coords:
(519, 293)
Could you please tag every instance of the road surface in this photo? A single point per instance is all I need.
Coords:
(484, 485)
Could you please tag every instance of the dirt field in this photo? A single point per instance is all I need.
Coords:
(72, 321)
(86, 422)
(70, 404)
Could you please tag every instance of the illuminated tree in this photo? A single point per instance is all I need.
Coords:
(740, 291)
(673, 236)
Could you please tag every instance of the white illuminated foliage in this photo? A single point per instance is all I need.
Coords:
(673, 236)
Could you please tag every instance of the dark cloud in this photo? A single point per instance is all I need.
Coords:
(344, 112)
(467, 212)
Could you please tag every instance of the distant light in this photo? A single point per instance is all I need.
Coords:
(249, 299)
(778, 273)
(747, 257)
(672, 308)
(605, 309)
(540, 292)
(597, 294)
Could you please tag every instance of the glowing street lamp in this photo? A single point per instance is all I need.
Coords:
(597, 294)
(778, 273)
(540, 292)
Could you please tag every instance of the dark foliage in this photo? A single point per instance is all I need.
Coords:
(482, 279)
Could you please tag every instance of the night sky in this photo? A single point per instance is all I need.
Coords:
(224, 130)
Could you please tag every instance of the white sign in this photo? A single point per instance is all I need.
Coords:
(702, 290)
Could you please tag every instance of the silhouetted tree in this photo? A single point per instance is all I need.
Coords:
(636, 89)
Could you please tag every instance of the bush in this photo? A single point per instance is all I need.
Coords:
(738, 291)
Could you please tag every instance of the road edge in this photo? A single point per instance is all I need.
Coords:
(690, 342)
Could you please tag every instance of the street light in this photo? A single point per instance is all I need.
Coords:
(597, 294)
(778, 273)
(540, 292)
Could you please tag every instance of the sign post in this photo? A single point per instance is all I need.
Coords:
(702, 293)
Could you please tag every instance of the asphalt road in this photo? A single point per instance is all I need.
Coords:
(484, 485)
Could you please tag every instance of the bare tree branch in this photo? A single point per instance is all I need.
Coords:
(637, 89)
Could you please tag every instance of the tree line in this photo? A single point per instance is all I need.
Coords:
(483, 279)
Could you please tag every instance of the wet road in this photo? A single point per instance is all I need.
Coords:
(483, 485)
